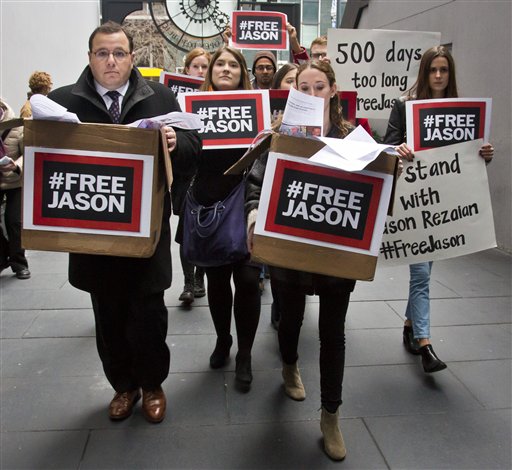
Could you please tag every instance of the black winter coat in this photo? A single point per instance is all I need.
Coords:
(396, 130)
(139, 276)
(302, 282)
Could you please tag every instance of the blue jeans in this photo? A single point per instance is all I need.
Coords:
(418, 304)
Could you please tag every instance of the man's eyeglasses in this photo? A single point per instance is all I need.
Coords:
(318, 55)
(104, 54)
(262, 68)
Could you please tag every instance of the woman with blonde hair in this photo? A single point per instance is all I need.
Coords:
(40, 83)
(196, 62)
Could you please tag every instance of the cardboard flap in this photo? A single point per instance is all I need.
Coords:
(295, 146)
(81, 136)
(249, 156)
(166, 158)
(4, 125)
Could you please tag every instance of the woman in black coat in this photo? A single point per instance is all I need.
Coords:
(228, 71)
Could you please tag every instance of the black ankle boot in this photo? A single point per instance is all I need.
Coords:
(243, 372)
(220, 354)
(411, 345)
(431, 363)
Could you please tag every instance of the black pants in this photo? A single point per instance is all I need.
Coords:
(245, 303)
(190, 271)
(11, 251)
(331, 326)
(130, 336)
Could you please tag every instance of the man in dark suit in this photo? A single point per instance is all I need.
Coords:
(128, 293)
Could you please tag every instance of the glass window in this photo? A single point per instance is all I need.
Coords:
(310, 12)
(308, 33)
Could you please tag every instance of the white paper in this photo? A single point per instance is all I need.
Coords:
(174, 119)
(43, 108)
(353, 153)
(303, 115)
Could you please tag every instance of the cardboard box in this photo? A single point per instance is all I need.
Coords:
(347, 253)
(93, 188)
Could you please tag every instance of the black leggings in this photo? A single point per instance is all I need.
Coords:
(331, 326)
(246, 304)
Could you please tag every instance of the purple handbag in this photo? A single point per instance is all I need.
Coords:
(215, 235)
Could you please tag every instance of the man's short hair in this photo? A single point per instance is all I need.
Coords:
(320, 41)
(110, 27)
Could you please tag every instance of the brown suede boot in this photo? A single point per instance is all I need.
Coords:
(334, 445)
(293, 386)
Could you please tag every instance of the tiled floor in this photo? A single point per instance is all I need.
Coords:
(54, 395)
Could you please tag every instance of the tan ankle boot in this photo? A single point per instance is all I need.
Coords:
(292, 382)
(334, 445)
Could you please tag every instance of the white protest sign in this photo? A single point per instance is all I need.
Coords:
(442, 207)
(379, 64)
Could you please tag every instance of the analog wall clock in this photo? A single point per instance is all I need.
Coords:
(192, 23)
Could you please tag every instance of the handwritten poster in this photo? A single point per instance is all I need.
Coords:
(379, 64)
(442, 207)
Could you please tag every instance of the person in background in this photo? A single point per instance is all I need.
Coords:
(40, 83)
(264, 67)
(436, 79)
(318, 47)
(284, 78)
(315, 78)
(11, 252)
(196, 62)
(228, 71)
(127, 293)
(196, 65)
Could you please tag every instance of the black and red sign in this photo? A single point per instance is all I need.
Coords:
(231, 118)
(441, 122)
(180, 83)
(259, 30)
(348, 101)
(87, 192)
(323, 204)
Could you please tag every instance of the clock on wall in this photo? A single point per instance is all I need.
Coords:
(192, 23)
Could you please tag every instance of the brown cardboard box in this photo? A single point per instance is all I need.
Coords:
(97, 138)
(306, 257)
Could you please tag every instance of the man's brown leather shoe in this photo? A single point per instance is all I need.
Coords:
(122, 404)
(154, 404)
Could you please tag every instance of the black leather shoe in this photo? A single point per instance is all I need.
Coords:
(431, 363)
(187, 296)
(411, 345)
(243, 372)
(220, 354)
(23, 274)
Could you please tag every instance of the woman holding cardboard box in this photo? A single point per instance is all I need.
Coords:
(436, 79)
(315, 78)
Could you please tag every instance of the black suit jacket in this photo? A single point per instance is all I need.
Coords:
(114, 274)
